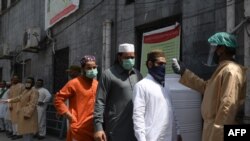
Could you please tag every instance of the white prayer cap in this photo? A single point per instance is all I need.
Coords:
(126, 48)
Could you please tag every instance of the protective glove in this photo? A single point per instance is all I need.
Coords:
(178, 67)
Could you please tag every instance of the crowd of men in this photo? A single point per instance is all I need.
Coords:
(123, 106)
(23, 108)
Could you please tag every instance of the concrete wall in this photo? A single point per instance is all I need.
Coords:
(14, 22)
(82, 31)
(201, 19)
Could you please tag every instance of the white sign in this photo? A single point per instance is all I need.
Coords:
(237, 132)
(55, 10)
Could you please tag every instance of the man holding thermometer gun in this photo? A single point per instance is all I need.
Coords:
(224, 93)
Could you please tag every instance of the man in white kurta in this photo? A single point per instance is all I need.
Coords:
(3, 89)
(7, 119)
(152, 113)
(43, 99)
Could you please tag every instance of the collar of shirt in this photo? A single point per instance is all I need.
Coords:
(149, 76)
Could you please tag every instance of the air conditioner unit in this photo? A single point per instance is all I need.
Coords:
(4, 51)
(31, 39)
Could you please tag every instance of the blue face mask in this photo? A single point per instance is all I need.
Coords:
(91, 73)
(158, 73)
(128, 64)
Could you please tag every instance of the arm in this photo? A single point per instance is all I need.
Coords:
(61, 97)
(228, 100)
(228, 103)
(47, 96)
(139, 112)
(191, 80)
(102, 90)
(14, 100)
(10, 100)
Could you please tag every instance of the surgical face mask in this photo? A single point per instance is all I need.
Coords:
(128, 64)
(27, 85)
(91, 73)
(158, 73)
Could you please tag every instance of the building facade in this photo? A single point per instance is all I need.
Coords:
(97, 27)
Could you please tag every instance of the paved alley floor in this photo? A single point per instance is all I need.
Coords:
(3, 137)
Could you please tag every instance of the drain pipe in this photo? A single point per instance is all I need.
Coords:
(247, 58)
(106, 45)
(230, 15)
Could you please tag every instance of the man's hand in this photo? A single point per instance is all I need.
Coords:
(177, 67)
(70, 117)
(4, 101)
(100, 136)
(40, 103)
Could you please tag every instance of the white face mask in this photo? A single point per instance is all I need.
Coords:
(27, 85)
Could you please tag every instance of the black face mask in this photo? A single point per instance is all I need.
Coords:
(158, 73)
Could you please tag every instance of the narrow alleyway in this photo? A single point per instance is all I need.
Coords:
(48, 138)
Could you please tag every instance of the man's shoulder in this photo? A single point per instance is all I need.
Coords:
(43, 89)
(144, 82)
(95, 82)
(33, 89)
(74, 80)
(136, 71)
(109, 71)
(18, 85)
(232, 67)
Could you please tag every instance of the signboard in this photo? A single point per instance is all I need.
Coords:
(166, 39)
(55, 10)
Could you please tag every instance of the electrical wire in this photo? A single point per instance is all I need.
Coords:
(157, 1)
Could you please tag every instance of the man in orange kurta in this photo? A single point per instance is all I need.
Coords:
(81, 93)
